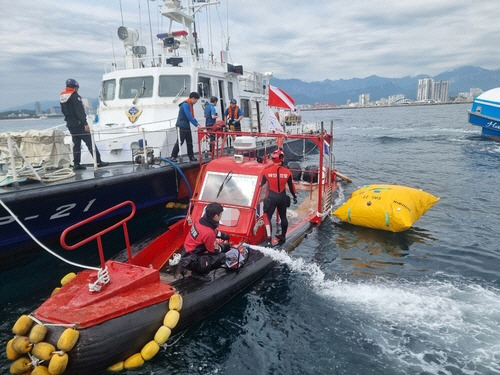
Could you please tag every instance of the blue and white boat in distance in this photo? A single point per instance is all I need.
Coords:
(485, 112)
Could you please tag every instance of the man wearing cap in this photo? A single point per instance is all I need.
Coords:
(76, 122)
(277, 176)
(233, 116)
(201, 253)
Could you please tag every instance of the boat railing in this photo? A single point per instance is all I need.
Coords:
(97, 236)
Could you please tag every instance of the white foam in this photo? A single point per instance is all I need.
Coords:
(421, 322)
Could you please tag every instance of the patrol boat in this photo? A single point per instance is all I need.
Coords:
(134, 131)
(122, 313)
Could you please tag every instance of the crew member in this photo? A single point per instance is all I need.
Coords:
(277, 176)
(76, 122)
(210, 116)
(233, 116)
(201, 253)
(185, 117)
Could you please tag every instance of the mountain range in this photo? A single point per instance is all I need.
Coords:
(341, 90)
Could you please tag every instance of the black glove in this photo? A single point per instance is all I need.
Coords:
(223, 236)
(294, 200)
(225, 247)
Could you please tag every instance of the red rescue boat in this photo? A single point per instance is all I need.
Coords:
(120, 315)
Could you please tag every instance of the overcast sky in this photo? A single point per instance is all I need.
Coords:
(44, 42)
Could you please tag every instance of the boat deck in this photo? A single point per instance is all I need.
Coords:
(111, 171)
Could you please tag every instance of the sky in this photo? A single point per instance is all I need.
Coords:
(44, 42)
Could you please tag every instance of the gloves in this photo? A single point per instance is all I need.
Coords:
(233, 122)
(223, 236)
(294, 200)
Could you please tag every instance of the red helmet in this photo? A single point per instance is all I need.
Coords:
(277, 156)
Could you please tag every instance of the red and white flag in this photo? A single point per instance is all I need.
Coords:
(279, 98)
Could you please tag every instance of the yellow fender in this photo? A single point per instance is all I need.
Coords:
(37, 333)
(133, 361)
(20, 366)
(116, 367)
(12, 355)
(43, 350)
(40, 370)
(22, 344)
(58, 364)
(175, 302)
(162, 335)
(22, 325)
(171, 319)
(68, 339)
(150, 350)
(66, 279)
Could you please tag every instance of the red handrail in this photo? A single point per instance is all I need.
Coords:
(98, 235)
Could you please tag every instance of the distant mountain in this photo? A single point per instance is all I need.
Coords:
(339, 91)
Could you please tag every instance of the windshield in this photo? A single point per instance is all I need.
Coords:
(136, 87)
(235, 189)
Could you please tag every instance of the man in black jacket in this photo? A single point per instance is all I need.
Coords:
(76, 122)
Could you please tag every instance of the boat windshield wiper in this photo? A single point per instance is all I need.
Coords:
(224, 182)
(181, 91)
(140, 93)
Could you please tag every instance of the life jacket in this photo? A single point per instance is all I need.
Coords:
(182, 119)
(66, 94)
(277, 176)
(232, 113)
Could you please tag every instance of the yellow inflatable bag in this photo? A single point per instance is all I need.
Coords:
(389, 207)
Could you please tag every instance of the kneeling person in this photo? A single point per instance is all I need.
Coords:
(201, 254)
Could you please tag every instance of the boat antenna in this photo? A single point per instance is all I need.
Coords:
(151, 36)
(121, 12)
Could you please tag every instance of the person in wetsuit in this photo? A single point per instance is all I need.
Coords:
(277, 176)
(201, 253)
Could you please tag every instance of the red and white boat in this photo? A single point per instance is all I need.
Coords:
(120, 315)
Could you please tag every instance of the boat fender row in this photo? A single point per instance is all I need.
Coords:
(176, 205)
(160, 338)
(28, 340)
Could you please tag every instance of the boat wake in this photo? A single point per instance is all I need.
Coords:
(435, 325)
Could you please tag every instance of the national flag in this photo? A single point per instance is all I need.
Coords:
(273, 124)
(326, 148)
(279, 98)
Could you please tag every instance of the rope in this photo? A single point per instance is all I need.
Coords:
(307, 153)
(69, 325)
(102, 279)
(41, 244)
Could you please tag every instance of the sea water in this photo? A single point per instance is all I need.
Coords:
(353, 300)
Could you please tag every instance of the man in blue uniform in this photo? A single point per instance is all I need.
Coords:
(210, 116)
(184, 121)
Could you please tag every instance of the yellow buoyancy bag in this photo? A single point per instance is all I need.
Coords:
(389, 207)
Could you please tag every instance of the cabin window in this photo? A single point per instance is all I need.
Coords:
(230, 90)
(175, 86)
(204, 88)
(245, 107)
(136, 87)
(229, 188)
(108, 90)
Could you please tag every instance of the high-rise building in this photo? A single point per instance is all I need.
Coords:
(37, 108)
(425, 90)
(429, 90)
(441, 89)
(364, 99)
